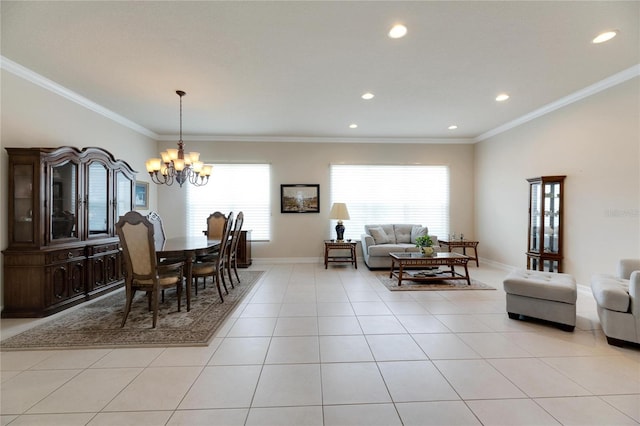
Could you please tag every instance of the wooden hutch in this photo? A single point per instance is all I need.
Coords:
(62, 208)
(545, 239)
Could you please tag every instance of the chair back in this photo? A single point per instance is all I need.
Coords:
(215, 225)
(158, 229)
(136, 237)
(224, 239)
(235, 236)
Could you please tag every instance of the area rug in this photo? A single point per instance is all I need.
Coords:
(440, 285)
(97, 324)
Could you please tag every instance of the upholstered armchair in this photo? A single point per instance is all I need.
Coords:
(618, 300)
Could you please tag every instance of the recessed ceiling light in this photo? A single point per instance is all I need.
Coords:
(353, 126)
(452, 127)
(502, 97)
(368, 96)
(398, 31)
(605, 36)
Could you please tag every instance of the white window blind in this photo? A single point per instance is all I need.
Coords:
(381, 194)
(233, 187)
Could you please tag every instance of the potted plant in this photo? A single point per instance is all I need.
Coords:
(426, 245)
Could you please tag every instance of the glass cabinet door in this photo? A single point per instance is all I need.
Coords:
(23, 203)
(98, 199)
(534, 220)
(124, 195)
(64, 196)
(551, 217)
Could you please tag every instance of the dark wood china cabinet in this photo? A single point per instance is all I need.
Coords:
(62, 208)
(546, 206)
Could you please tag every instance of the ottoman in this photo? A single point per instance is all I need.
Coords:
(543, 295)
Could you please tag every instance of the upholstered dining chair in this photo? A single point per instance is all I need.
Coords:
(142, 271)
(215, 225)
(213, 265)
(232, 250)
(159, 237)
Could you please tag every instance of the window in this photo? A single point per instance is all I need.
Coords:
(233, 187)
(377, 194)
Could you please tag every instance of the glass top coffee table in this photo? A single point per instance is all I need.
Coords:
(418, 267)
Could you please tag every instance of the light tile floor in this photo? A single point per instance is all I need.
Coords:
(311, 346)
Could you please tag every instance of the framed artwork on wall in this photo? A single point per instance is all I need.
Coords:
(141, 200)
(300, 198)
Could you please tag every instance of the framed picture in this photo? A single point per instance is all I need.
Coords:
(141, 200)
(300, 198)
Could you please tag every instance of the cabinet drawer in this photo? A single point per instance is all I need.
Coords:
(102, 248)
(65, 255)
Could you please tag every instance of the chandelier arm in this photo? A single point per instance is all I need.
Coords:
(167, 172)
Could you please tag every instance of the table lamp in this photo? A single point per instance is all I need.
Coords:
(339, 211)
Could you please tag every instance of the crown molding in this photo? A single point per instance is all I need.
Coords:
(607, 83)
(37, 79)
(314, 139)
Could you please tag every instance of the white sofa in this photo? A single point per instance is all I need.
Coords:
(380, 240)
(618, 300)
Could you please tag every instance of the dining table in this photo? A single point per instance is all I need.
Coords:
(186, 248)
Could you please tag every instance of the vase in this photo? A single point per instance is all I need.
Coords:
(427, 251)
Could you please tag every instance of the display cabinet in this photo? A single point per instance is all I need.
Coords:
(544, 251)
(62, 247)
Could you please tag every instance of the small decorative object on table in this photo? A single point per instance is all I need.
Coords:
(425, 243)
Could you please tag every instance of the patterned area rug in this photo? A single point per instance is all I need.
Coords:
(97, 325)
(440, 285)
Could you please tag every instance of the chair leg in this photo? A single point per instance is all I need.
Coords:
(229, 273)
(127, 307)
(179, 292)
(220, 275)
(217, 282)
(156, 296)
(235, 268)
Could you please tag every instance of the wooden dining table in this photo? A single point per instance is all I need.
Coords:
(186, 248)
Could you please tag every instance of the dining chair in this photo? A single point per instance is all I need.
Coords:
(142, 270)
(232, 251)
(213, 266)
(215, 225)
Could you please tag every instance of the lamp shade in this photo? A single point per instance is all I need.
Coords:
(339, 211)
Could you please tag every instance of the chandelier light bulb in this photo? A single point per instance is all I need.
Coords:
(178, 166)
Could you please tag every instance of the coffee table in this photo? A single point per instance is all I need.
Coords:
(401, 261)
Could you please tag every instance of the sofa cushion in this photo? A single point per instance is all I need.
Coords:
(384, 249)
(379, 236)
(403, 233)
(418, 231)
(611, 292)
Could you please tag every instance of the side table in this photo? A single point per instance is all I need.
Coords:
(340, 245)
(464, 244)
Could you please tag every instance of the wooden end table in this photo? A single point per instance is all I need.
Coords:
(464, 244)
(340, 245)
(415, 260)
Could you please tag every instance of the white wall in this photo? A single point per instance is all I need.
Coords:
(300, 236)
(596, 144)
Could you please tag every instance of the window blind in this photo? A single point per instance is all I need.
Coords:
(233, 187)
(381, 194)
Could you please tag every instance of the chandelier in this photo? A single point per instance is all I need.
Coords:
(176, 165)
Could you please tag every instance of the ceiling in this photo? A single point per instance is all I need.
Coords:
(297, 69)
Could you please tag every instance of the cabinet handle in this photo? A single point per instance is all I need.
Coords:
(69, 255)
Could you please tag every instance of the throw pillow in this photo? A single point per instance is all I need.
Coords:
(418, 231)
(379, 236)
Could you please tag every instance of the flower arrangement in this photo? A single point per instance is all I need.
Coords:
(424, 241)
